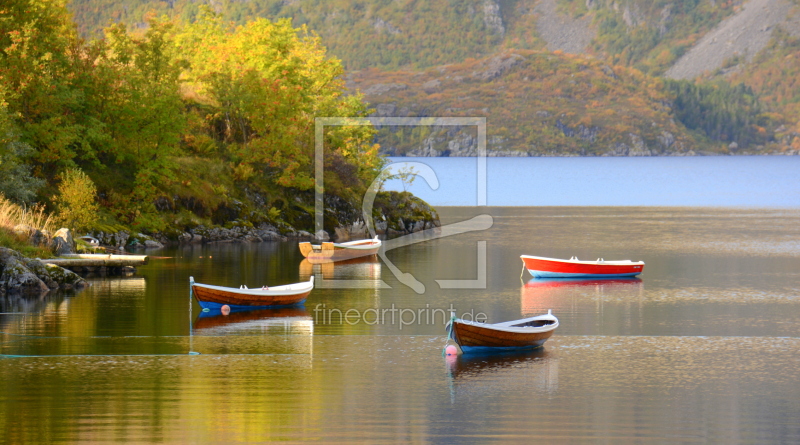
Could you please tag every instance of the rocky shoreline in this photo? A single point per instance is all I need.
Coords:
(395, 214)
(30, 276)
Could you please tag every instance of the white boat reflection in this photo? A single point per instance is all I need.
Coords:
(362, 273)
(291, 320)
(261, 331)
(561, 293)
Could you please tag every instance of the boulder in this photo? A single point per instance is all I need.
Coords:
(16, 276)
(32, 277)
(63, 243)
(41, 271)
(65, 278)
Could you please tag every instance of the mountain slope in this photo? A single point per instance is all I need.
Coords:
(536, 104)
(396, 39)
(742, 35)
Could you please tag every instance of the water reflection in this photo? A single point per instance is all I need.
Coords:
(364, 272)
(261, 331)
(484, 374)
(291, 320)
(119, 286)
(541, 294)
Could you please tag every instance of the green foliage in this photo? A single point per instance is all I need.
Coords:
(406, 175)
(649, 35)
(773, 75)
(20, 244)
(381, 33)
(16, 182)
(170, 115)
(722, 112)
(77, 200)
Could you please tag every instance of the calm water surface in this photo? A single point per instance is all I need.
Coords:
(704, 347)
(697, 181)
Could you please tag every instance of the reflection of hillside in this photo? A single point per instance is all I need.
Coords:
(495, 372)
(541, 294)
(26, 320)
(13, 304)
(119, 286)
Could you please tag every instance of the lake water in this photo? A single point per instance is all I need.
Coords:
(703, 347)
(697, 181)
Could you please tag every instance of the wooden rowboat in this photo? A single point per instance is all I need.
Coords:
(529, 332)
(328, 252)
(541, 267)
(214, 297)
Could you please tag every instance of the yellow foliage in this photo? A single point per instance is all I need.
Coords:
(76, 200)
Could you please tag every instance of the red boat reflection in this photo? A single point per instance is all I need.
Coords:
(541, 294)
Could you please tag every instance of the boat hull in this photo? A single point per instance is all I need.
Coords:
(528, 333)
(554, 268)
(330, 252)
(476, 338)
(214, 297)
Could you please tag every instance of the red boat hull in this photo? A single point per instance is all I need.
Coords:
(541, 267)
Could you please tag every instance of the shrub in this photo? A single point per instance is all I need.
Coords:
(76, 200)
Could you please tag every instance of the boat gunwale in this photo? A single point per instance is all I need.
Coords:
(510, 326)
(364, 244)
(282, 290)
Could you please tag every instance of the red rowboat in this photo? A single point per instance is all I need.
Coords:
(214, 297)
(541, 267)
(529, 332)
(328, 252)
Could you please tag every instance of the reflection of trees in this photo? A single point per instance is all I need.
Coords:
(22, 314)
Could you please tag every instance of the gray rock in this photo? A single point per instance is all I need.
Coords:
(150, 244)
(17, 277)
(63, 243)
(66, 278)
(41, 271)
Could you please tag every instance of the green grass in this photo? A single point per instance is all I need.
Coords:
(19, 243)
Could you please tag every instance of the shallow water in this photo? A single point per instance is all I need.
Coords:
(703, 347)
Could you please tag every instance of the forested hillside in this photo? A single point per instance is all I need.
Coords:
(543, 104)
(382, 40)
(178, 125)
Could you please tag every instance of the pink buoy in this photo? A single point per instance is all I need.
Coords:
(451, 350)
(225, 309)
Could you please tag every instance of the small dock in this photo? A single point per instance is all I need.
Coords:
(102, 264)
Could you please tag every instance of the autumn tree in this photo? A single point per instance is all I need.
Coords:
(268, 82)
(77, 200)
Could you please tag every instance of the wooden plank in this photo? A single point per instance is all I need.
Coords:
(97, 260)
